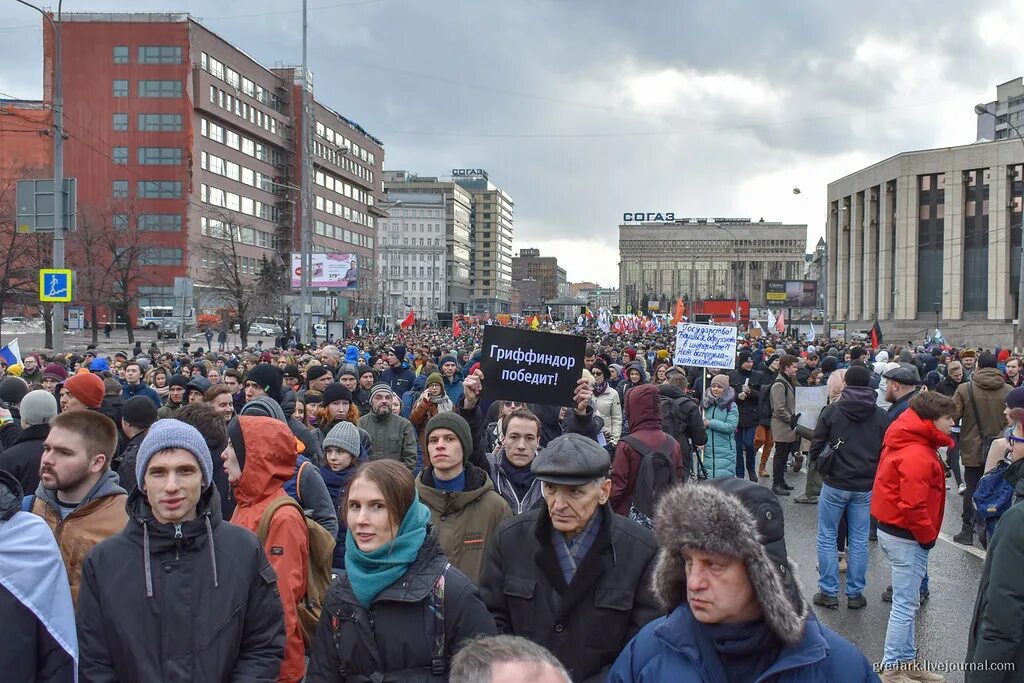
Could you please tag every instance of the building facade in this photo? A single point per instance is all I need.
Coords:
(458, 207)
(491, 252)
(530, 265)
(1008, 106)
(929, 239)
(176, 131)
(699, 258)
(411, 249)
(595, 295)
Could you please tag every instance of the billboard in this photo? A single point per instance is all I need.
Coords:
(796, 293)
(333, 271)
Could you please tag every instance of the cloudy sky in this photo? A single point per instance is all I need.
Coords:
(584, 109)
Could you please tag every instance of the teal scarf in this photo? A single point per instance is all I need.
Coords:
(372, 572)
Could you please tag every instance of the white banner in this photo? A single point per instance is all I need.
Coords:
(706, 346)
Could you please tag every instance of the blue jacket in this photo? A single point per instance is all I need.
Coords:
(720, 450)
(140, 389)
(400, 379)
(453, 388)
(676, 648)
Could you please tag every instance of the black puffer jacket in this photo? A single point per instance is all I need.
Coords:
(394, 639)
(202, 608)
(860, 424)
(588, 622)
(22, 458)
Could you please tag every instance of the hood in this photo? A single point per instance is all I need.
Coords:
(988, 379)
(911, 429)
(264, 406)
(10, 495)
(671, 391)
(634, 365)
(287, 401)
(270, 457)
(643, 405)
(107, 485)
(858, 403)
(352, 354)
(449, 502)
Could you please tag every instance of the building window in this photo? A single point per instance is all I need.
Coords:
(159, 189)
(159, 156)
(159, 54)
(120, 87)
(931, 219)
(976, 236)
(120, 156)
(120, 121)
(120, 54)
(159, 222)
(159, 88)
(160, 122)
(158, 256)
(120, 221)
(119, 189)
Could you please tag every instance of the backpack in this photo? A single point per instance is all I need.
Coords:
(992, 497)
(672, 422)
(657, 473)
(318, 575)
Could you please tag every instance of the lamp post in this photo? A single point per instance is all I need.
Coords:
(1018, 337)
(736, 286)
(57, 319)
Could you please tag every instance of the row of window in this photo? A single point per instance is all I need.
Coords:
(150, 222)
(250, 114)
(342, 211)
(148, 189)
(235, 202)
(148, 88)
(218, 70)
(344, 234)
(160, 256)
(416, 227)
(406, 242)
(149, 156)
(150, 54)
(168, 123)
(415, 213)
(341, 187)
(246, 265)
(339, 140)
(244, 234)
(233, 171)
(245, 145)
(406, 256)
(334, 156)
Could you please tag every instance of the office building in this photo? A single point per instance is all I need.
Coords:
(530, 265)
(491, 252)
(411, 249)
(1008, 106)
(457, 236)
(595, 295)
(174, 130)
(704, 258)
(929, 239)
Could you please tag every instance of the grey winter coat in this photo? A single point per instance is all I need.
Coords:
(392, 437)
(783, 399)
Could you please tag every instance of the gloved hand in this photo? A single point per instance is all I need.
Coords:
(793, 420)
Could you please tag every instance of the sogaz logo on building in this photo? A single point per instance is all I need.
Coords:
(652, 217)
(469, 173)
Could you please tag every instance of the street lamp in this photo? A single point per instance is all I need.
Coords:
(1018, 341)
(57, 319)
(736, 286)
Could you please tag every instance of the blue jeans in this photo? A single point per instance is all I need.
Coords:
(745, 450)
(832, 503)
(909, 562)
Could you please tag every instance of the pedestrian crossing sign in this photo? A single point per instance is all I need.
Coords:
(54, 284)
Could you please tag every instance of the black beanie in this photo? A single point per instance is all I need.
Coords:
(139, 411)
(235, 435)
(830, 364)
(267, 377)
(743, 357)
(336, 391)
(363, 369)
(857, 376)
(178, 381)
(987, 359)
(458, 425)
(315, 372)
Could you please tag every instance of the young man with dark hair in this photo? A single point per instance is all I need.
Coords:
(133, 385)
(79, 496)
(233, 381)
(782, 395)
(220, 399)
(137, 415)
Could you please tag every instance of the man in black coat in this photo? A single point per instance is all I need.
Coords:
(572, 575)
(137, 415)
(747, 388)
(22, 457)
(179, 594)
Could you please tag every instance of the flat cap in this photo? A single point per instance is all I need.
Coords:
(572, 460)
(904, 374)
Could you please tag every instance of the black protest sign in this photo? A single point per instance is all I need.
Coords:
(531, 367)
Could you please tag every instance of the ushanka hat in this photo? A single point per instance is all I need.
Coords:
(736, 518)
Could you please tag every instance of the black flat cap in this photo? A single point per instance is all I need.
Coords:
(572, 460)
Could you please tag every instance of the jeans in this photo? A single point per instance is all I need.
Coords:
(745, 450)
(832, 503)
(909, 562)
(971, 477)
(782, 453)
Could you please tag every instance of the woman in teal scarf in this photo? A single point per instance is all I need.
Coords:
(399, 610)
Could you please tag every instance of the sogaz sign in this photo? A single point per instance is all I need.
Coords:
(648, 217)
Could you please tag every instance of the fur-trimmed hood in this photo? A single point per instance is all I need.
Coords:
(737, 518)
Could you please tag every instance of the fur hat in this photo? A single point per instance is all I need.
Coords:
(737, 518)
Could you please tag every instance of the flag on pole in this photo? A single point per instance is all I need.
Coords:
(589, 313)
(456, 329)
(679, 313)
(534, 324)
(812, 334)
(757, 325)
(771, 320)
(780, 322)
(732, 314)
(876, 335)
(409, 321)
(11, 353)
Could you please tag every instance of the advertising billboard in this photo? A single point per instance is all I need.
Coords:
(333, 271)
(796, 293)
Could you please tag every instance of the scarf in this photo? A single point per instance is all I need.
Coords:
(723, 401)
(745, 650)
(600, 388)
(370, 573)
(571, 553)
(521, 477)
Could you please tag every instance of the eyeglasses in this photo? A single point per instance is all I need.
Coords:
(1012, 438)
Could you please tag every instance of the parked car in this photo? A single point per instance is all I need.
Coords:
(320, 329)
(15, 319)
(263, 330)
(168, 329)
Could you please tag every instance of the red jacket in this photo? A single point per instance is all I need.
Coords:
(643, 404)
(910, 485)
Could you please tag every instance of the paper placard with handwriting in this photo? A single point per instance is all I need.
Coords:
(706, 346)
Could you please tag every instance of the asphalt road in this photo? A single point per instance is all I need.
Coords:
(943, 621)
(30, 338)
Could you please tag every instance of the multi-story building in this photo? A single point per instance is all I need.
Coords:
(1008, 106)
(928, 239)
(530, 265)
(457, 237)
(174, 130)
(491, 255)
(411, 250)
(595, 295)
(705, 258)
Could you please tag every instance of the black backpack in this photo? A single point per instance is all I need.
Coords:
(657, 473)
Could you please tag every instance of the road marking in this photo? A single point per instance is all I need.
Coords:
(966, 548)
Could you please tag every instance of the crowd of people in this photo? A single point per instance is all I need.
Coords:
(370, 512)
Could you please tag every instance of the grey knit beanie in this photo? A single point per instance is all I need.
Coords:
(171, 433)
(38, 407)
(345, 436)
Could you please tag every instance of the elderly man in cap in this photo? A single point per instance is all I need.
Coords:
(736, 610)
(391, 435)
(572, 575)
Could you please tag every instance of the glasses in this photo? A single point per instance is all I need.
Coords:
(1013, 439)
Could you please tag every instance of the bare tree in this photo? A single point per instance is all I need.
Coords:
(21, 254)
(89, 253)
(129, 268)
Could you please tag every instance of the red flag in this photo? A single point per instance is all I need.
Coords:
(780, 322)
(876, 335)
(680, 312)
(409, 321)
(456, 329)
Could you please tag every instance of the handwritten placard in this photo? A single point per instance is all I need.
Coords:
(706, 346)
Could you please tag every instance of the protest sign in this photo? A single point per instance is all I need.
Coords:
(532, 367)
(706, 346)
(809, 402)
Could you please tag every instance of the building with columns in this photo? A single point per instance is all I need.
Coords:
(929, 238)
